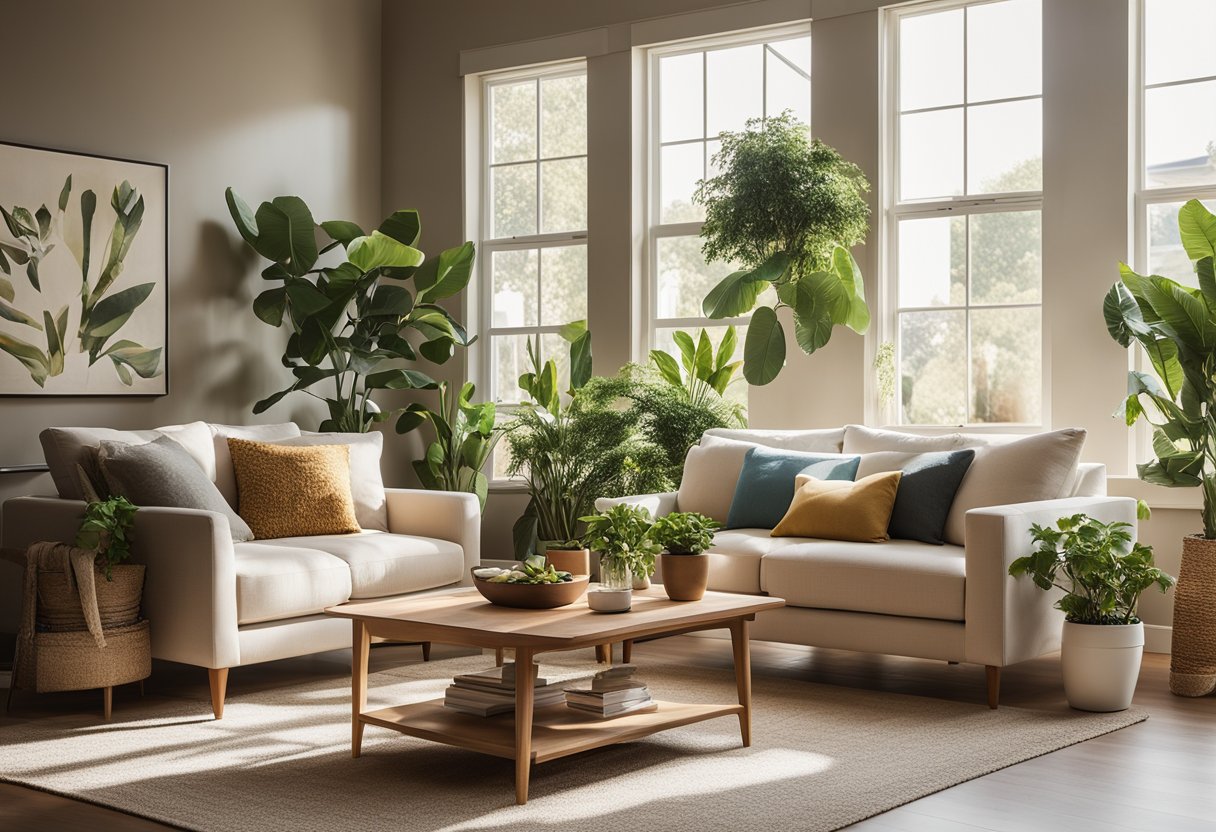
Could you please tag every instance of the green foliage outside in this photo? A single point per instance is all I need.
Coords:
(1101, 571)
(107, 530)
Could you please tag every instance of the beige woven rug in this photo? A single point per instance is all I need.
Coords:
(822, 757)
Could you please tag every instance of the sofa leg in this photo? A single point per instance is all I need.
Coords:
(994, 685)
(426, 651)
(219, 688)
(951, 663)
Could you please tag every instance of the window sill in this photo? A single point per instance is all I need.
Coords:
(1157, 496)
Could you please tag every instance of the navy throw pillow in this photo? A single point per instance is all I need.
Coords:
(766, 483)
(926, 492)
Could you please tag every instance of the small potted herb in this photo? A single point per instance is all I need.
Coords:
(569, 556)
(621, 536)
(1102, 573)
(685, 536)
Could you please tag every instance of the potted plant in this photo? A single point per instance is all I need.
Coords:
(465, 436)
(684, 537)
(787, 207)
(569, 556)
(621, 535)
(1176, 326)
(1102, 573)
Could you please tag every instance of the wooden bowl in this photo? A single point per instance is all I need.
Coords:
(533, 596)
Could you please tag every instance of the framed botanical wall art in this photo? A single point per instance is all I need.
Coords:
(83, 274)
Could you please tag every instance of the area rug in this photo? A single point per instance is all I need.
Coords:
(822, 757)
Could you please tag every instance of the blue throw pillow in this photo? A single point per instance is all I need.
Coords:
(926, 492)
(766, 483)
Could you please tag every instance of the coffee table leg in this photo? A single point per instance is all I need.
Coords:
(361, 643)
(743, 676)
(524, 681)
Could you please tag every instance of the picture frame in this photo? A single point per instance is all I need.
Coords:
(84, 274)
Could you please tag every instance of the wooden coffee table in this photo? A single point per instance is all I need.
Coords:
(463, 617)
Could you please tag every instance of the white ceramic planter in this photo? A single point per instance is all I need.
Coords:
(1101, 664)
(610, 600)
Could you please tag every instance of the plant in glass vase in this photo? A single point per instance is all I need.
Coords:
(622, 538)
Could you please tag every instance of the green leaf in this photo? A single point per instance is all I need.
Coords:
(44, 223)
(270, 401)
(342, 230)
(244, 219)
(6, 288)
(11, 313)
(144, 361)
(1124, 320)
(523, 533)
(378, 250)
(1207, 280)
(764, 348)
(451, 272)
(286, 234)
(394, 301)
(668, 368)
(306, 299)
(403, 226)
(703, 358)
(399, 379)
(21, 222)
(269, 305)
(32, 358)
(88, 206)
(580, 361)
(774, 269)
(65, 193)
(54, 343)
(846, 268)
(111, 313)
(5, 267)
(31, 272)
(1197, 228)
(726, 348)
(1183, 316)
(816, 300)
(722, 376)
(572, 331)
(411, 418)
(735, 295)
(438, 351)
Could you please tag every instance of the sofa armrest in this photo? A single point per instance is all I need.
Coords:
(190, 585)
(445, 515)
(657, 504)
(1009, 620)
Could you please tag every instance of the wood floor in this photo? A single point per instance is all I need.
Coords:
(1159, 775)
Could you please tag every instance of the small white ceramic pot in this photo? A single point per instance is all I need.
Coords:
(1101, 664)
(610, 600)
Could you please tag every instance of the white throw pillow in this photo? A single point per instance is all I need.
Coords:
(64, 449)
(366, 481)
(810, 441)
(1042, 466)
(225, 476)
(859, 439)
(711, 472)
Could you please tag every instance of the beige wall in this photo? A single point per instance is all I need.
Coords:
(272, 97)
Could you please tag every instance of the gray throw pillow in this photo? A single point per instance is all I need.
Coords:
(926, 490)
(162, 473)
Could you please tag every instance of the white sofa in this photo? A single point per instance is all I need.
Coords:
(218, 604)
(954, 603)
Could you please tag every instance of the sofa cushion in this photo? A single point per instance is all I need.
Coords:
(65, 450)
(857, 511)
(289, 492)
(225, 477)
(859, 439)
(765, 487)
(901, 577)
(275, 582)
(388, 564)
(808, 441)
(926, 491)
(734, 559)
(366, 481)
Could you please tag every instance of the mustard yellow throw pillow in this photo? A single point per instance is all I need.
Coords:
(842, 510)
(286, 491)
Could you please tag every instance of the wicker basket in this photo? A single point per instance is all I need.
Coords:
(73, 661)
(1193, 652)
(117, 600)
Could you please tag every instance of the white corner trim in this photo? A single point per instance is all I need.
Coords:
(1157, 496)
(1157, 638)
(585, 44)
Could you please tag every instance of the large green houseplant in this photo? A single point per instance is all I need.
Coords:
(465, 435)
(1175, 325)
(786, 207)
(354, 324)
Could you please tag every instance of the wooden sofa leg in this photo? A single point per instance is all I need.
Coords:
(994, 685)
(219, 688)
(426, 651)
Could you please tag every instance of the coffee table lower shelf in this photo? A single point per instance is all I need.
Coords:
(557, 731)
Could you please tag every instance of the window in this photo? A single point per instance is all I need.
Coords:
(696, 93)
(533, 252)
(963, 200)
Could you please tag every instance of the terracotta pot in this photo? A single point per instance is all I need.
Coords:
(574, 561)
(118, 600)
(1101, 664)
(685, 577)
(1193, 653)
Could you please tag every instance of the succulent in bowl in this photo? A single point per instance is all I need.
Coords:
(533, 570)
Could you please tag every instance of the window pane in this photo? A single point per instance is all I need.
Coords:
(1006, 365)
(1005, 147)
(711, 150)
(513, 196)
(563, 273)
(563, 195)
(735, 87)
(933, 262)
(553, 346)
(1178, 40)
(563, 116)
(684, 277)
(1180, 128)
(1004, 50)
(736, 391)
(1165, 253)
(681, 99)
(932, 367)
(795, 50)
(513, 125)
(931, 60)
(510, 362)
(515, 288)
(681, 166)
(788, 87)
(931, 154)
(1006, 257)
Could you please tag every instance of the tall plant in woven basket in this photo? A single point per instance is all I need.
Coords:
(1175, 325)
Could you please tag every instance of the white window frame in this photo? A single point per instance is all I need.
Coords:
(655, 229)
(488, 245)
(893, 210)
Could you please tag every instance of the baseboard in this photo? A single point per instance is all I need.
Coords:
(1157, 638)
(6, 678)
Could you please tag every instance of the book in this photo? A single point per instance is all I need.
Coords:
(600, 699)
(489, 697)
(604, 686)
(617, 672)
(497, 677)
(479, 710)
(641, 706)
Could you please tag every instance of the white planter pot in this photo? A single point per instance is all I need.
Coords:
(610, 600)
(1101, 664)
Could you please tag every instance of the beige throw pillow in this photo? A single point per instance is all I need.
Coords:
(366, 481)
(293, 492)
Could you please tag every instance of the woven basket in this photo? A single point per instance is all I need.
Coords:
(117, 600)
(1193, 653)
(73, 661)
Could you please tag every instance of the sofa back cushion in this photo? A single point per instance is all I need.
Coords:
(765, 487)
(65, 450)
(225, 478)
(926, 490)
(808, 441)
(366, 481)
(293, 492)
(841, 510)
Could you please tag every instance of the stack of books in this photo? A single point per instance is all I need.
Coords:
(492, 692)
(613, 692)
